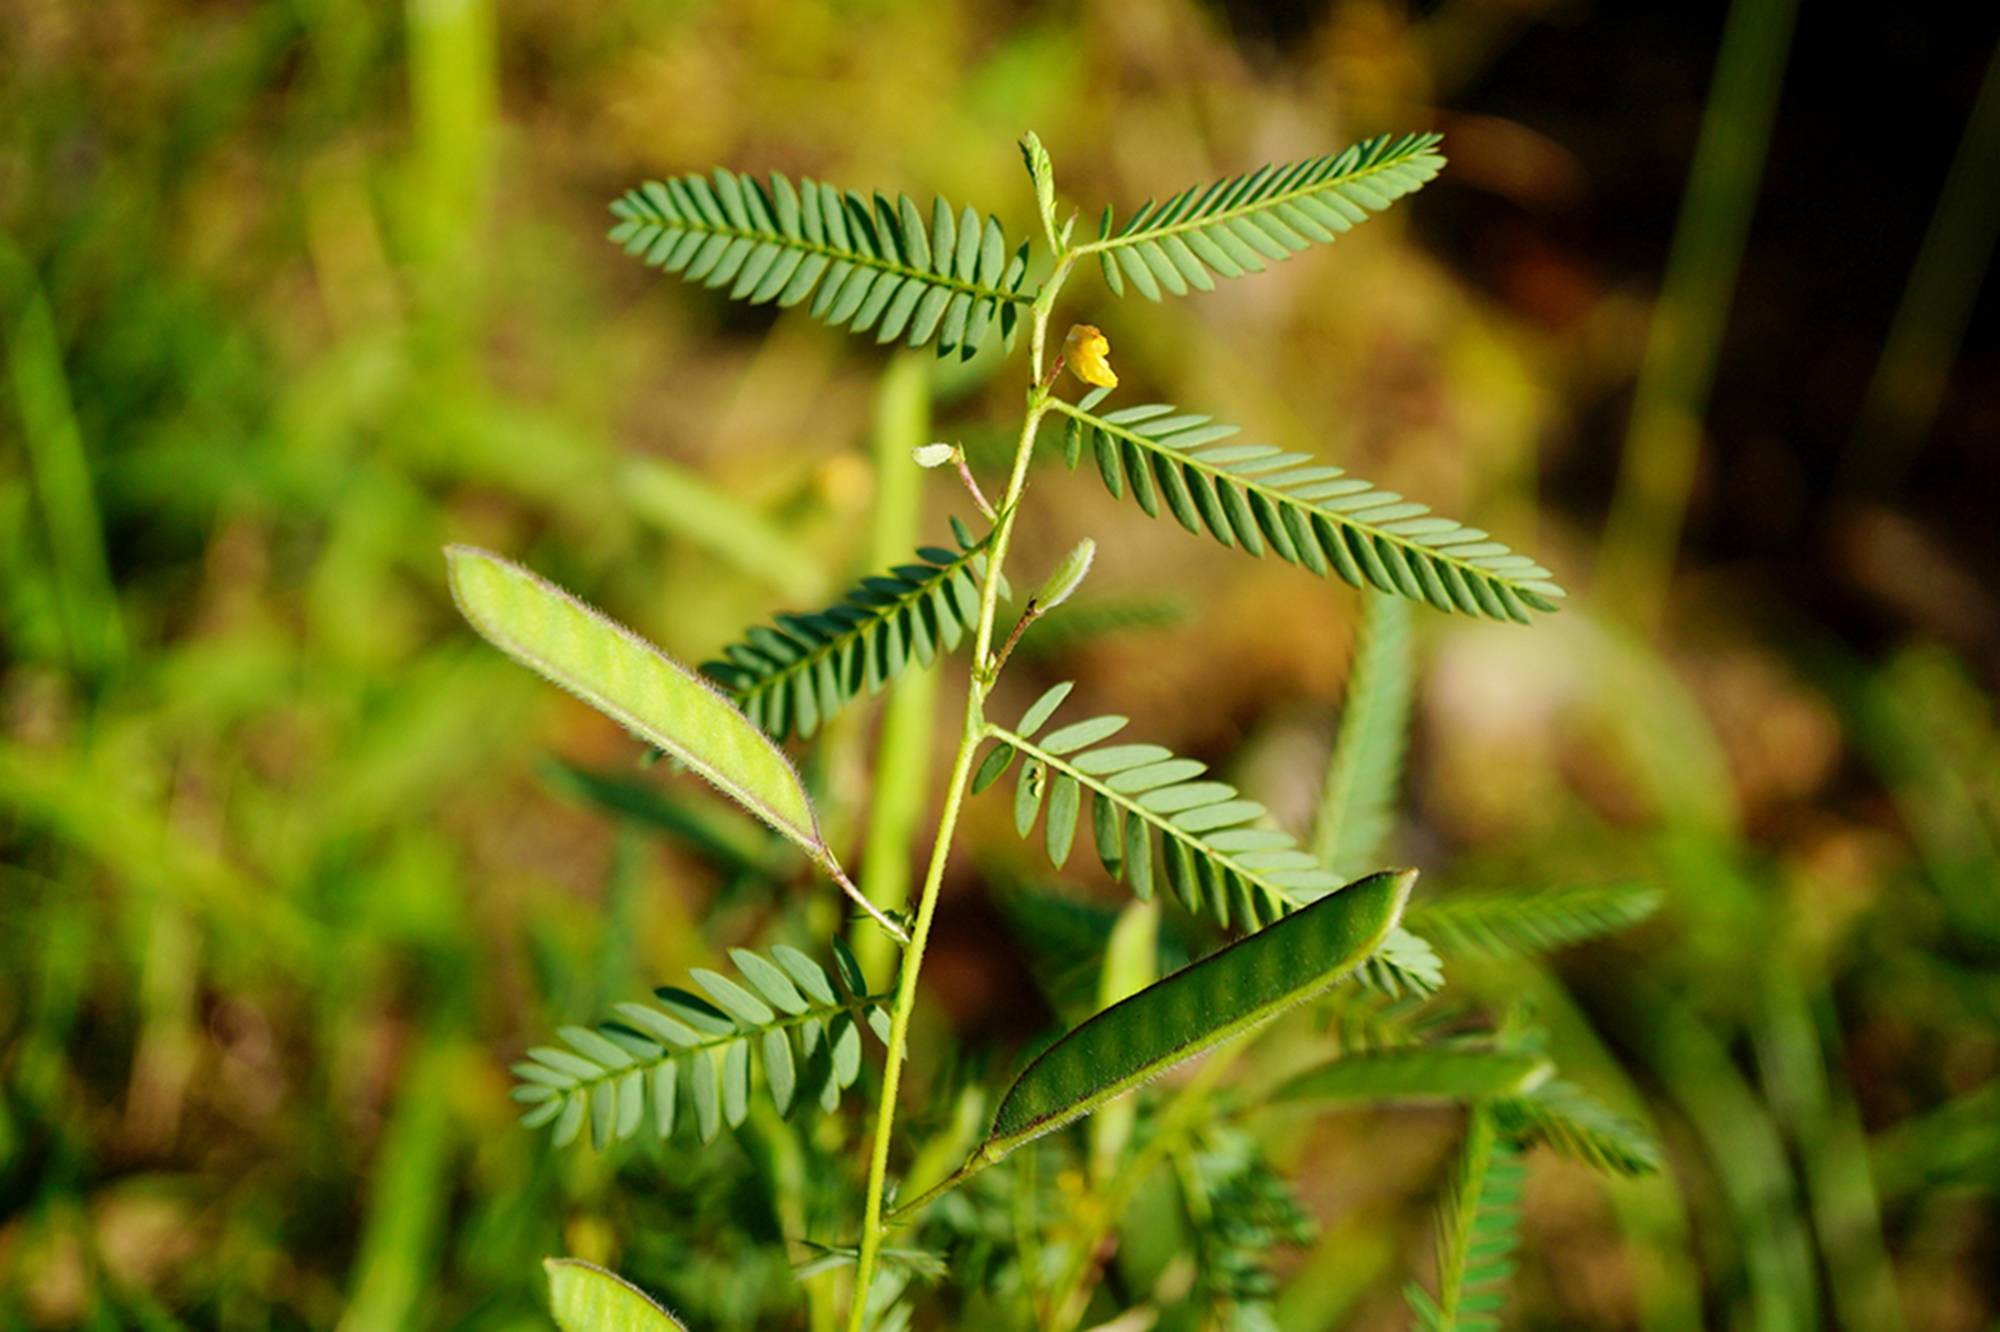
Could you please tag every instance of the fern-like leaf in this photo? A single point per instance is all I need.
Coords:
(1151, 818)
(1242, 1213)
(1568, 1119)
(1357, 802)
(1404, 964)
(867, 265)
(1446, 1071)
(792, 676)
(1254, 496)
(695, 1052)
(1516, 924)
(1477, 1232)
(1359, 1019)
(1231, 227)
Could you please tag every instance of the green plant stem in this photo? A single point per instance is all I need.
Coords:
(978, 686)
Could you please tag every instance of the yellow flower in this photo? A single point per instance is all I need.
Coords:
(1087, 352)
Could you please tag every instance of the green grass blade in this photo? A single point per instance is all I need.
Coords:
(1914, 372)
(1663, 440)
(52, 440)
(1357, 802)
(397, 1260)
(687, 506)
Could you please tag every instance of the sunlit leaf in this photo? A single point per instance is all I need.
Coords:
(585, 1298)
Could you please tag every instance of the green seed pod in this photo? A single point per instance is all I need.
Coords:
(1223, 995)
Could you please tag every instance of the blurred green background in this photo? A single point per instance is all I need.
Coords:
(292, 292)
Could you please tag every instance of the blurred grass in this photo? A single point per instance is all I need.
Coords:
(1663, 441)
(1911, 377)
(900, 772)
(294, 292)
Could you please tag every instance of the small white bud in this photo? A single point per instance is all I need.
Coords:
(934, 455)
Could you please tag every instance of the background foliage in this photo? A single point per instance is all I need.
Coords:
(292, 293)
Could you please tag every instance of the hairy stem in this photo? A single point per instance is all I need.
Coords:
(978, 686)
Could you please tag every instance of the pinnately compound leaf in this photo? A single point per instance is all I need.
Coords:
(1223, 995)
(785, 1012)
(1211, 850)
(1478, 1229)
(868, 265)
(1231, 227)
(1515, 924)
(1256, 497)
(634, 683)
(1574, 1123)
(793, 675)
(585, 1298)
(1421, 1073)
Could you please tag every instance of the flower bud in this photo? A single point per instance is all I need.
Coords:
(1087, 352)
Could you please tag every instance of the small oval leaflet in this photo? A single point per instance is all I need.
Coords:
(585, 1298)
(1198, 1007)
(635, 684)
